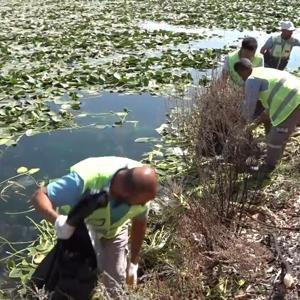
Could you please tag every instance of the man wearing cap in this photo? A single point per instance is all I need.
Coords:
(277, 49)
(128, 186)
(279, 93)
(247, 50)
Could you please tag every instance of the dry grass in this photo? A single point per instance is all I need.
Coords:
(222, 149)
(213, 124)
(209, 243)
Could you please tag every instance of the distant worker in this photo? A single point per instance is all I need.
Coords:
(248, 50)
(129, 186)
(278, 48)
(279, 94)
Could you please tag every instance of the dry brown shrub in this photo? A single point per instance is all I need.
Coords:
(176, 287)
(209, 245)
(212, 123)
(215, 196)
(222, 150)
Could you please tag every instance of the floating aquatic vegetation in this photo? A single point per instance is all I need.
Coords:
(52, 49)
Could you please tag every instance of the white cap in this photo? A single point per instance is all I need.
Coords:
(287, 25)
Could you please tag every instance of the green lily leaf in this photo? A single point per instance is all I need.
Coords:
(31, 132)
(4, 141)
(22, 170)
(15, 273)
(117, 75)
(33, 171)
(146, 140)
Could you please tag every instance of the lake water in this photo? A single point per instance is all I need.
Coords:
(55, 152)
(217, 38)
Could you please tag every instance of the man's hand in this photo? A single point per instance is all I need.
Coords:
(131, 278)
(263, 118)
(63, 230)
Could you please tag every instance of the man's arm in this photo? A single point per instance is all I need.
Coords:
(296, 42)
(267, 46)
(138, 231)
(43, 205)
(64, 191)
(252, 89)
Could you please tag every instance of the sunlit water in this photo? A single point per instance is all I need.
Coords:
(217, 38)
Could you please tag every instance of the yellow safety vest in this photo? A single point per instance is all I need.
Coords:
(96, 173)
(281, 48)
(257, 61)
(282, 96)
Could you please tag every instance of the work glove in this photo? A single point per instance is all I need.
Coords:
(131, 278)
(63, 230)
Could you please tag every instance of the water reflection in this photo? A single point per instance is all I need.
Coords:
(66, 147)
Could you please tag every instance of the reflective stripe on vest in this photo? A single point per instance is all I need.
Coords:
(96, 173)
(281, 48)
(234, 57)
(282, 96)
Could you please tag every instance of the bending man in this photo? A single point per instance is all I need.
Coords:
(279, 94)
(129, 186)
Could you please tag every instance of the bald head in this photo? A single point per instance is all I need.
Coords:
(136, 186)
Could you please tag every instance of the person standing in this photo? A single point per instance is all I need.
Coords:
(278, 48)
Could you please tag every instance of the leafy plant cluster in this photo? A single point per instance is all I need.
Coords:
(52, 49)
(222, 14)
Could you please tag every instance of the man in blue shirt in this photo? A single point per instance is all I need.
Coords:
(278, 48)
(129, 186)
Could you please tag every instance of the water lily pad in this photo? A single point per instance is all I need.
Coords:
(4, 141)
(15, 273)
(21, 170)
(33, 171)
(31, 132)
(146, 140)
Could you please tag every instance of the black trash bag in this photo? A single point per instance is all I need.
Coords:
(69, 271)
